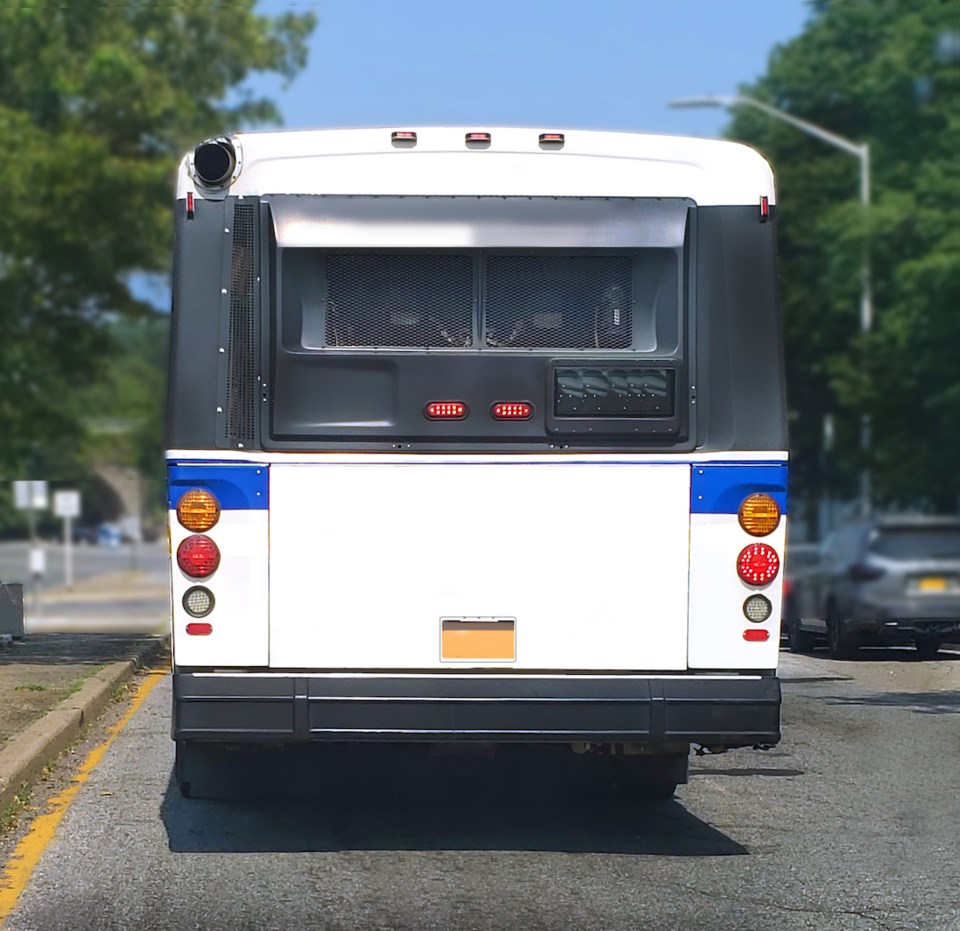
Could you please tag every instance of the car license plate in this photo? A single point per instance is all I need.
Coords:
(481, 640)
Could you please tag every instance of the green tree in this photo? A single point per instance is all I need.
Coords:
(98, 100)
(887, 74)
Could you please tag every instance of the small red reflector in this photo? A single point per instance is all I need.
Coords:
(511, 410)
(445, 410)
(478, 138)
(198, 556)
(199, 629)
(756, 635)
(403, 138)
(758, 564)
(189, 205)
(553, 140)
(764, 208)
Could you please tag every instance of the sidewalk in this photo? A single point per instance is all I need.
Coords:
(86, 642)
(127, 601)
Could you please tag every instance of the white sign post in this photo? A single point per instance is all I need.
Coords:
(66, 504)
(32, 497)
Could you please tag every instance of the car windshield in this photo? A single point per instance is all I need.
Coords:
(917, 542)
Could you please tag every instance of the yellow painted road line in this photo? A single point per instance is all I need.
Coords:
(25, 858)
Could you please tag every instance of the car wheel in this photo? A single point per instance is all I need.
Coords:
(841, 644)
(928, 646)
(800, 641)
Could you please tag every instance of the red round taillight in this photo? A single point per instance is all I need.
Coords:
(198, 556)
(758, 564)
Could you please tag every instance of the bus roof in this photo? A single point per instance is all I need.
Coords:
(514, 163)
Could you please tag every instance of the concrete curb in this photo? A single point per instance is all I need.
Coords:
(24, 756)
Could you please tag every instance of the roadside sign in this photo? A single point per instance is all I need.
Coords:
(66, 503)
(38, 561)
(30, 496)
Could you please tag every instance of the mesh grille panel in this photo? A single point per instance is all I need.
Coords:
(401, 301)
(241, 375)
(559, 302)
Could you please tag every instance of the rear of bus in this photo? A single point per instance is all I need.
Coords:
(476, 436)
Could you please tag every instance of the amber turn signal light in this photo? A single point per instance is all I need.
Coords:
(198, 510)
(759, 515)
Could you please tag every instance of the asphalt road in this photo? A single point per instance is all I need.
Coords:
(87, 560)
(852, 822)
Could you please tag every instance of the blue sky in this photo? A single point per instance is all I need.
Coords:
(548, 64)
(606, 64)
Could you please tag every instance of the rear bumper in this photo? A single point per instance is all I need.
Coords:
(908, 616)
(900, 628)
(715, 711)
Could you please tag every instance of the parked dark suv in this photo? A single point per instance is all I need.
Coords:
(886, 581)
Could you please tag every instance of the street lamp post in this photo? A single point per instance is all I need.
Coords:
(862, 152)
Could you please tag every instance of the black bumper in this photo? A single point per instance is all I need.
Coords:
(890, 625)
(714, 711)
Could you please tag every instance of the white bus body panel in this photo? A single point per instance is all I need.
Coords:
(240, 588)
(717, 594)
(591, 561)
(590, 164)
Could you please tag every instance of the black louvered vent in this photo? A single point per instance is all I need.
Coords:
(241, 374)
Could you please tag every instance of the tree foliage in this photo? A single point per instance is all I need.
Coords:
(98, 100)
(887, 74)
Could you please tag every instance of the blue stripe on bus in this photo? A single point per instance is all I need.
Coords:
(236, 487)
(719, 489)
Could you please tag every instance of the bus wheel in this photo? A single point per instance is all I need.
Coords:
(652, 778)
(180, 767)
(841, 644)
(800, 641)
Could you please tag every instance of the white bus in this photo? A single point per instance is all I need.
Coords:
(476, 435)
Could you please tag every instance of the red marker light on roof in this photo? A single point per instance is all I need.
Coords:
(403, 138)
(478, 140)
(445, 410)
(758, 564)
(551, 140)
(764, 208)
(511, 410)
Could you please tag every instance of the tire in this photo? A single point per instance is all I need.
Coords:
(840, 643)
(800, 641)
(179, 768)
(928, 646)
(653, 778)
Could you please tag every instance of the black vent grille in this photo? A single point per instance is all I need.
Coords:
(241, 369)
(559, 302)
(399, 301)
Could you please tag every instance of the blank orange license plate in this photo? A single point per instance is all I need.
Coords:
(481, 640)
